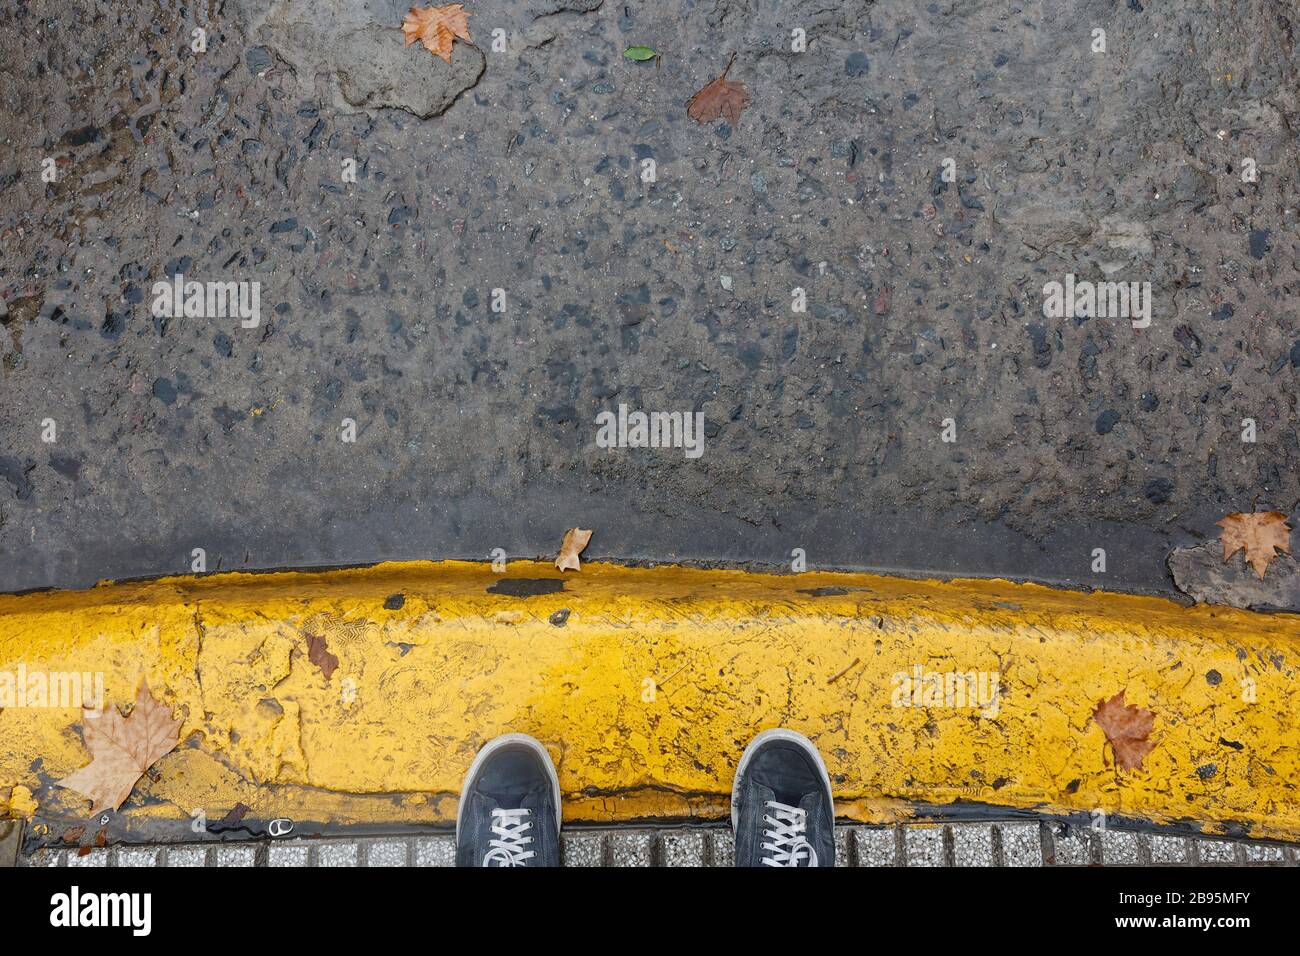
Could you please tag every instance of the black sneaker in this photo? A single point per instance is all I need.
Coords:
(509, 811)
(781, 806)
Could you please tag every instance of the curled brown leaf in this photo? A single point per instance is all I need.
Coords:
(122, 749)
(436, 27)
(718, 97)
(575, 539)
(318, 653)
(1261, 534)
(1127, 727)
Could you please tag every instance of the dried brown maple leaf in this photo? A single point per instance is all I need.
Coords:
(435, 27)
(1259, 532)
(719, 97)
(575, 539)
(318, 653)
(1127, 729)
(123, 748)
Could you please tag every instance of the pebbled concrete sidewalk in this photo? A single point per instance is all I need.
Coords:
(1028, 843)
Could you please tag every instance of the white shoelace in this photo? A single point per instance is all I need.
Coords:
(510, 827)
(787, 836)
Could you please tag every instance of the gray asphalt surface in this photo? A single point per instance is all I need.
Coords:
(477, 429)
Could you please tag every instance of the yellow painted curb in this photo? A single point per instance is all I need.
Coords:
(649, 690)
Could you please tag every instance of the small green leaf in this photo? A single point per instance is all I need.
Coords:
(640, 53)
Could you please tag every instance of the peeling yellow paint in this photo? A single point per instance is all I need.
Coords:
(20, 803)
(650, 690)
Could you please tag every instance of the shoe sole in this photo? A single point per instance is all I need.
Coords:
(491, 747)
(777, 733)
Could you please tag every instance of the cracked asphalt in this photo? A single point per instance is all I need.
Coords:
(520, 170)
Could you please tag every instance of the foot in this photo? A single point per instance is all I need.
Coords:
(510, 806)
(781, 806)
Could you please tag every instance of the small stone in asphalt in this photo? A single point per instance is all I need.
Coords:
(257, 59)
(1159, 491)
(164, 391)
(856, 64)
(1258, 242)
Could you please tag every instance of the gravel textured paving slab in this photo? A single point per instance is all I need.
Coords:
(925, 845)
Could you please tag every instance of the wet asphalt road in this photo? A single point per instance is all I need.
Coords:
(476, 429)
